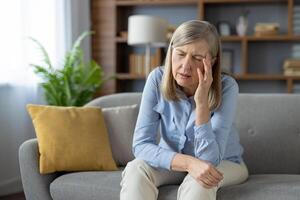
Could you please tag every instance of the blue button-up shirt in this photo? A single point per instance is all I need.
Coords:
(175, 121)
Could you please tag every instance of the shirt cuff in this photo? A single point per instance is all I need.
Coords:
(204, 131)
(166, 159)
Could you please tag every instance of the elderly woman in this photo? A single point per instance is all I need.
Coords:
(192, 105)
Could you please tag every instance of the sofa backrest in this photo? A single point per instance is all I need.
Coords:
(268, 124)
(269, 128)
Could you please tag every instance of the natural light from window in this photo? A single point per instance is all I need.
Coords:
(20, 19)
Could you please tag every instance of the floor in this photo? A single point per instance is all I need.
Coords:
(19, 196)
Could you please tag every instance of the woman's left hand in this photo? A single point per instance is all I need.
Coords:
(205, 81)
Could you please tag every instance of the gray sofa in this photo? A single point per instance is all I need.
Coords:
(269, 127)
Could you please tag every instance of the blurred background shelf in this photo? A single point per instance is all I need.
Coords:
(256, 60)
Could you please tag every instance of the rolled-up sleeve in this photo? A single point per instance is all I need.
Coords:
(145, 135)
(211, 138)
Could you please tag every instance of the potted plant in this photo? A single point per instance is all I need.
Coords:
(75, 83)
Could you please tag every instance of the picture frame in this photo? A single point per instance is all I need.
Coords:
(227, 61)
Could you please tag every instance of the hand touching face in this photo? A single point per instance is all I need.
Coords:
(186, 60)
(205, 80)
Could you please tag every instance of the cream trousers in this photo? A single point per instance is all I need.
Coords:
(140, 181)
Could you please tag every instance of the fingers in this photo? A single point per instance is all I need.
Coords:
(207, 67)
(200, 75)
(212, 180)
(216, 174)
(206, 184)
(205, 173)
(212, 177)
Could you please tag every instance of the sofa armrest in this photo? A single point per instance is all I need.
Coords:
(35, 185)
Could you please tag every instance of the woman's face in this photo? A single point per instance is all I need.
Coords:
(185, 61)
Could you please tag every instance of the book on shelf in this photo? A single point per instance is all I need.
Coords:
(296, 8)
(296, 20)
(297, 28)
(137, 63)
(291, 63)
(266, 29)
(291, 72)
(291, 67)
(296, 14)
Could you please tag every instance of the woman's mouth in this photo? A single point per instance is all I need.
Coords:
(184, 76)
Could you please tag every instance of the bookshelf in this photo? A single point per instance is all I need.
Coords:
(110, 49)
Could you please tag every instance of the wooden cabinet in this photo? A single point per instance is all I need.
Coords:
(257, 60)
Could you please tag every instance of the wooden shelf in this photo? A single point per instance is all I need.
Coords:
(265, 77)
(236, 38)
(243, 1)
(273, 38)
(154, 2)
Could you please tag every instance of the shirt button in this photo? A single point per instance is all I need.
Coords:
(251, 132)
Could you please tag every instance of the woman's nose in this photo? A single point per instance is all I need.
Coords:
(186, 63)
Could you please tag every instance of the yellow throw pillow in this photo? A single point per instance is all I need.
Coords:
(71, 138)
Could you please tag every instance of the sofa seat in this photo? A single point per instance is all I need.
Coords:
(92, 185)
(264, 187)
(87, 185)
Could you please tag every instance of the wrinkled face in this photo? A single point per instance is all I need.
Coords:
(185, 61)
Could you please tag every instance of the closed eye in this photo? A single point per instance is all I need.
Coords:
(198, 58)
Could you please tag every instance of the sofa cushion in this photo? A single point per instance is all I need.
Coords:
(87, 185)
(71, 138)
(97, 186)
(120, 122)
(106, 186)
(266, 187)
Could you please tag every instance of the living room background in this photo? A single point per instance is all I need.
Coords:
(106, 18)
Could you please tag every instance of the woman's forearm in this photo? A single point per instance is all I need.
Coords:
(181, 162)
(202, 115)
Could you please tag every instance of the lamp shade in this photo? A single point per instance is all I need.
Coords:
(146, 30)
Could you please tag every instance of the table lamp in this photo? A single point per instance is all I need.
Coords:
(149, 31)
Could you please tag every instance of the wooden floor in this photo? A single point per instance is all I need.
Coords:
(19, 196)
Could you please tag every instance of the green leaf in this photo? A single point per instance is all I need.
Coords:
(45, 56)
(75, 83)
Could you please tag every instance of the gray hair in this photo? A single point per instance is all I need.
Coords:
(194, 30)
(189, 32)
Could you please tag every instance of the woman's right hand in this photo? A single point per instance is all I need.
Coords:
(204, 173)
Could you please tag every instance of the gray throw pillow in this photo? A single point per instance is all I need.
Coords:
(120, 123)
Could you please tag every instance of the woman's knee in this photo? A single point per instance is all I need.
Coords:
(191, 189)
(136, 182)
(136, 164)
(136, 170)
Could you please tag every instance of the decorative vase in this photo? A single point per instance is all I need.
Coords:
(242, 25)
